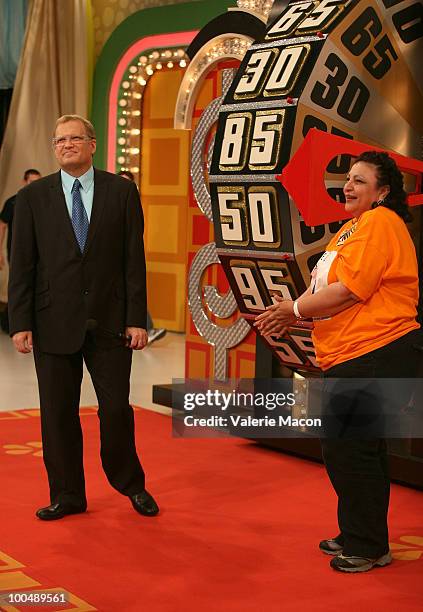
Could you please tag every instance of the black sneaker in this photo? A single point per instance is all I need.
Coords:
(350, 564)
(331, 547)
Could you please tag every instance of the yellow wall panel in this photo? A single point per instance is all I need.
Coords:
(198, 363)
(206, 94)
(166, 294)
(164, 188)
(163, 107)
(164, 162)
(248, 366)
(162, 229)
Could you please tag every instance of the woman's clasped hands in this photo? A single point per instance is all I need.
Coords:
(276, 318)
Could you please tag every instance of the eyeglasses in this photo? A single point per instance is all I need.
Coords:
(75, 140)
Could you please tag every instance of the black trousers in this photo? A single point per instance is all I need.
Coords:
(358, 468)
(59, 381)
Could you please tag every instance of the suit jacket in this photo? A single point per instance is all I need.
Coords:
(53, 288)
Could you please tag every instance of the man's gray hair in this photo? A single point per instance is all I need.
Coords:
(89, 128)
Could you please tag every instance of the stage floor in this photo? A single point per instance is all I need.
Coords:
(156, 364)
(238, 530)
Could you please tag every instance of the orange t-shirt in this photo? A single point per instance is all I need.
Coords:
(375, 259)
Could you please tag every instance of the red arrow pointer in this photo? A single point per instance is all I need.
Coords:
(303, 176)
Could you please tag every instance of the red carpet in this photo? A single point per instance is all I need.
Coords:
(238, 531)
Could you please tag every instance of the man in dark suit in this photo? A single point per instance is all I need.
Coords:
(77, 293)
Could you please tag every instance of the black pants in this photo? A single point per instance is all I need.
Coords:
(358, 468)
(59, 381)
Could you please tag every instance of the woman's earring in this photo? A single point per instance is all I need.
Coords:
(378, 203)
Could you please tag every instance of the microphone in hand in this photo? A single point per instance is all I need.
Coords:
(93, 326)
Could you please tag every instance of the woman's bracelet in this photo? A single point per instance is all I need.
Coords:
(296, 311)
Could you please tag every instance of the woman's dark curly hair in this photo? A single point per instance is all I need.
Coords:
(388, 174)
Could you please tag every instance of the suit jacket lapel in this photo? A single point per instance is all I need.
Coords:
(99, 201)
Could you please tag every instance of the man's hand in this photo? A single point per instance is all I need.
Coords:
(23, 341)
(139, 337)
(1, 261)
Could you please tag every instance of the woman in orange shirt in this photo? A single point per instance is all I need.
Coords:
(363, 298)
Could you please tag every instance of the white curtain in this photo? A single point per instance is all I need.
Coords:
(52, 80)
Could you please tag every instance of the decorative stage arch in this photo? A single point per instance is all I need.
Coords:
(131, 76)
(150, 26)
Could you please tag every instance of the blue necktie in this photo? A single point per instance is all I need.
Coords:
(79, 216)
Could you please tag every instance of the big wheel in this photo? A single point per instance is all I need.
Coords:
(351, 68)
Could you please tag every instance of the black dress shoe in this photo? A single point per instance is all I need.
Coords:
(144, 503)
(58, 511)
